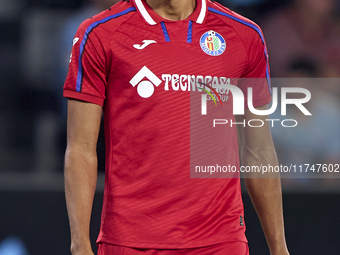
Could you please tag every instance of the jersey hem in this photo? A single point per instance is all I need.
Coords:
(156, 245)
(83, 97)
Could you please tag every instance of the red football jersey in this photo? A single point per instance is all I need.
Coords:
(141, 68)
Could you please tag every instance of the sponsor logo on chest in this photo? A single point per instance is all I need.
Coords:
(175, 82)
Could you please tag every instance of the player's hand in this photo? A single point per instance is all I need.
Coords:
(82, 250)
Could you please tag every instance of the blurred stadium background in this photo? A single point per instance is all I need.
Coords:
(303, 38)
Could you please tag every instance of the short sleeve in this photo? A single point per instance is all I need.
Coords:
(87, 76)
(257, 74)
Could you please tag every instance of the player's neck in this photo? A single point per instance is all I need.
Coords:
(173, 9)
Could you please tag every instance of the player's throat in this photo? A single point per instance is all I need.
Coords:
(173, 9)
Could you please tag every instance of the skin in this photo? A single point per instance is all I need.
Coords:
(81, 161)
(256, 148)
(173, 9)
(81, 171)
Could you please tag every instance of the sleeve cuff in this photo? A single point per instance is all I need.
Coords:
(83, 97)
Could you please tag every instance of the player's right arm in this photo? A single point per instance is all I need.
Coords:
(83, 125)
(85, 88)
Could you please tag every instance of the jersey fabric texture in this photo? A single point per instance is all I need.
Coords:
(139, 67)
(235, 248)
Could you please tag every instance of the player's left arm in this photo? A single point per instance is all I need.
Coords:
(256, 146)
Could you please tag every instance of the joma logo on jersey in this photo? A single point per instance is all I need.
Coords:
(176, 82)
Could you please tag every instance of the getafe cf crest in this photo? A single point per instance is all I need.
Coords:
(212, 43)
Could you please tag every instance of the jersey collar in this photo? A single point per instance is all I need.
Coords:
(153, 18)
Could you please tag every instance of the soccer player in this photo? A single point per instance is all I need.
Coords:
(138, 63)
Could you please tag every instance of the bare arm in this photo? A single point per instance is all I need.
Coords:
(257, 148)
(83, 125)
